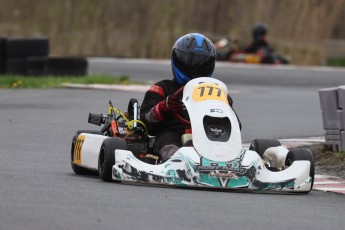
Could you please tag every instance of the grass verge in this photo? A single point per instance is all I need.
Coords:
(336, 61)
(22, 82)
(327, 161)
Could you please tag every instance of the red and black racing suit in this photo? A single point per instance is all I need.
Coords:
(165, 127)
(167, 130)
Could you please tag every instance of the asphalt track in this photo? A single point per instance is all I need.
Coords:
(38, 189)
(231, 73)
(271, 101)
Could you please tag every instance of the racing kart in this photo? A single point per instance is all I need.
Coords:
(212, 155)
(234, 51)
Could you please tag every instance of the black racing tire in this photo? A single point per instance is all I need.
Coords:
(106, 158)
(130, 107)
(2, 65)
(2, 55)
(301, 154)
(260, 145)
(35, 65)
(16, 66)
(25, 47)
(77, 169)
(66, 66)
(3, 47)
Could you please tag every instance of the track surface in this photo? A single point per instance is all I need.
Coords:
(271, 101)
(238, 74)
(39, 191)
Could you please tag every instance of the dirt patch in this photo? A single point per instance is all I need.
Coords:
(328, 162)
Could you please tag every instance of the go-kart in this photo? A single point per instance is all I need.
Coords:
(234, 51)
(212, 155)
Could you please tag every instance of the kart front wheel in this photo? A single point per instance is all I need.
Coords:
(260, 145)
(106, 158)
(77, 169)
(302, 154)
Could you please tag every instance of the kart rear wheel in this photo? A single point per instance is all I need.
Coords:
(106, 158)
(302, 154)
(77, 169)
(260, 145)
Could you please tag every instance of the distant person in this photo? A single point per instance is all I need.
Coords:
(260, 38)
(261, 48)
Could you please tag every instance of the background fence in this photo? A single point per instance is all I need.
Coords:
(148, 28)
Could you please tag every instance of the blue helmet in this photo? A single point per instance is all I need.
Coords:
(193, 55)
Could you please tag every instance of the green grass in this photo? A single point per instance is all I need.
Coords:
(336, 61)
(22, 82)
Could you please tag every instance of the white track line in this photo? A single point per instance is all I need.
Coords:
(327, 189)
(327, 182)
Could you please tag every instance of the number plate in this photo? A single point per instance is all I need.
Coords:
(208, 91)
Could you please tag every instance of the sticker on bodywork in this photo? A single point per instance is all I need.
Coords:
(77, 149)
(208, 91)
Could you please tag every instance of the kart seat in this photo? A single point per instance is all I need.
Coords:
(186, 138)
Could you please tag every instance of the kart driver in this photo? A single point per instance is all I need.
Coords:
(260, 45)
(193, 55)
(260, 38)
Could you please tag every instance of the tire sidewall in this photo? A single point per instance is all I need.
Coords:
(261, 145)
(300, 154)
(106, 158)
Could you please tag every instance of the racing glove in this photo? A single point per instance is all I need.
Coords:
(169, 104)
(173, 103)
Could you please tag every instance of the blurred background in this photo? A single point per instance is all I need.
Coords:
(312, 32)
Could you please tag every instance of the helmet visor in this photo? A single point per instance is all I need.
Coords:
(196, 64)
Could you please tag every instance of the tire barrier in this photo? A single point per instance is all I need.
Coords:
(332, 102)
(25, 47)
(35, 66)
(64, 66)
(2, 55)
(29, 56)
(16, 66)
(18, 51)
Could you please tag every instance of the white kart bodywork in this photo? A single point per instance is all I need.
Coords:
(87, 147)
(216, 159)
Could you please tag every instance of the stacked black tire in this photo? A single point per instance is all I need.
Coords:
(30, 56)
(2, 55)
(61, 66)
(19, 50)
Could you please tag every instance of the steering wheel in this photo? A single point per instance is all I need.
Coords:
(178, 116)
